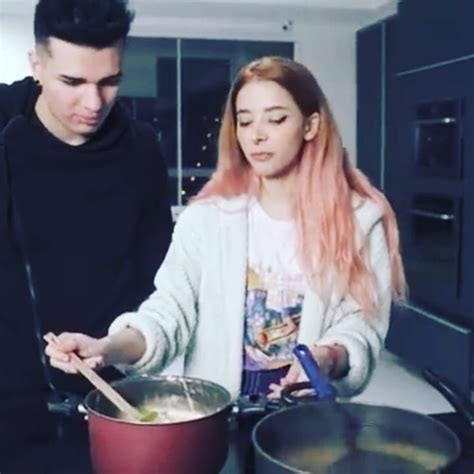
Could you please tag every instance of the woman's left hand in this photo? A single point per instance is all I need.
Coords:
(323, 355)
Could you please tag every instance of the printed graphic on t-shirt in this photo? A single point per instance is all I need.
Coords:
(273, 312)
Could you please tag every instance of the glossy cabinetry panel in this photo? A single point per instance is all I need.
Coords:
(434, 31)
(370, 58)
(430, 150)
(426, 166)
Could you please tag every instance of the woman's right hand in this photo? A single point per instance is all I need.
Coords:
(91, 350)
(124, 347)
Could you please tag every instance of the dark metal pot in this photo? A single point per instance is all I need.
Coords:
(196, 446)
(346, 438)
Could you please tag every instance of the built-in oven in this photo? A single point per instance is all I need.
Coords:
(431, 203)
(438, 138)
(429, 179)
(432, 249)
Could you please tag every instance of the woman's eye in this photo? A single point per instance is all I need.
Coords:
(278, 120)
(244, 124)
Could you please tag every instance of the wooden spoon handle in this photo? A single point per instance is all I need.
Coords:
(98, 382)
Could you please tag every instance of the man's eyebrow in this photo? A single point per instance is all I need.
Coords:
(113, 77)
(71, 78)
(268, 109)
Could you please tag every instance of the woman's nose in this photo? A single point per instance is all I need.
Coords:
(259, 134)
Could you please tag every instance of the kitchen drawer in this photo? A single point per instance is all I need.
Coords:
(428, 341)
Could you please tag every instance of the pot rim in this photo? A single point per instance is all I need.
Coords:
(150, 378)
(268, 457)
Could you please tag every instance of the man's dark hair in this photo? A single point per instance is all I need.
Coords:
(94, 23)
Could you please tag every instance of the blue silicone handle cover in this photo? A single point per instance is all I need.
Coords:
(324, 390)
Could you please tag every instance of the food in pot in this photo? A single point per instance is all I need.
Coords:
(425, 458)
(311, 458)
(172, 409)
(171, 415)
(151, 414)
(319, 459)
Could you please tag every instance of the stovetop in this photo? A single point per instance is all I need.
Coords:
(465, 463)
(72, 457)
(241, 459)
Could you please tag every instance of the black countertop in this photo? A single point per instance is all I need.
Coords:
(72, 457)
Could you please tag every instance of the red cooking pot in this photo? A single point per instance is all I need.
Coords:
(190, 434)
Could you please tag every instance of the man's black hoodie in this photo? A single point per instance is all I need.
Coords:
(83, 230)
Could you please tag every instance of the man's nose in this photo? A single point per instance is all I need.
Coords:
(92, 99)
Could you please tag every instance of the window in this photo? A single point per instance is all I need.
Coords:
(180, 88)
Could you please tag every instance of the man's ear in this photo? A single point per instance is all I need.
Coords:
(311, 127)
(36, 65)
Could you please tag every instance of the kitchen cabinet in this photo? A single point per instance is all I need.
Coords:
(375, 97)
(370, 57)
(428, 341)
(429, 179)
(433, 31)
(425, 159)
(429, 149)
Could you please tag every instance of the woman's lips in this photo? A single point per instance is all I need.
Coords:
(261, 156)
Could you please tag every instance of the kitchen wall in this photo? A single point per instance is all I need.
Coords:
(324, 40)
(16, 38)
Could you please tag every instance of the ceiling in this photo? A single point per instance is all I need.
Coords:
(187, 6)
(351, 4)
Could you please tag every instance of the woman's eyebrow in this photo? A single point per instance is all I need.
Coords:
(267, 109)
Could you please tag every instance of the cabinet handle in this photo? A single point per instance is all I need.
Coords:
(437, 121)
(432, 215)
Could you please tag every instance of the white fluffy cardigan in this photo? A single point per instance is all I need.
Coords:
(198, 305)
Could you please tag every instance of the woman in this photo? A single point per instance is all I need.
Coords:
(287, 243)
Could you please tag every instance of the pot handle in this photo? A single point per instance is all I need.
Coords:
(288, 398)
(458, 401)
(67, 404)
(320, 383)
(251, 405)
(324, 391)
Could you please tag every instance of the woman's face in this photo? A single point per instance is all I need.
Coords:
(271, 128)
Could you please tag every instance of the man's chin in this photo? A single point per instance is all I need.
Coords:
(80, 135)
(87, 131)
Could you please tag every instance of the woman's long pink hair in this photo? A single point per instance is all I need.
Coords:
(324, 211)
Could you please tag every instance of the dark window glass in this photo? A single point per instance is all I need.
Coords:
(150, 92)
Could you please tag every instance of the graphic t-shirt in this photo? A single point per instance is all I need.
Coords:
(275, 292)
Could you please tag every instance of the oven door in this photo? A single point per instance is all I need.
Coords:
(431, 246)
(438, 140)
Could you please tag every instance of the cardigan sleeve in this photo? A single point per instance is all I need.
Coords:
(362, 337)
(167, 319)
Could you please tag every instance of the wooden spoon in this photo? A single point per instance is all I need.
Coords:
(100, 384)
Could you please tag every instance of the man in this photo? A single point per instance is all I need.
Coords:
(84, 219)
